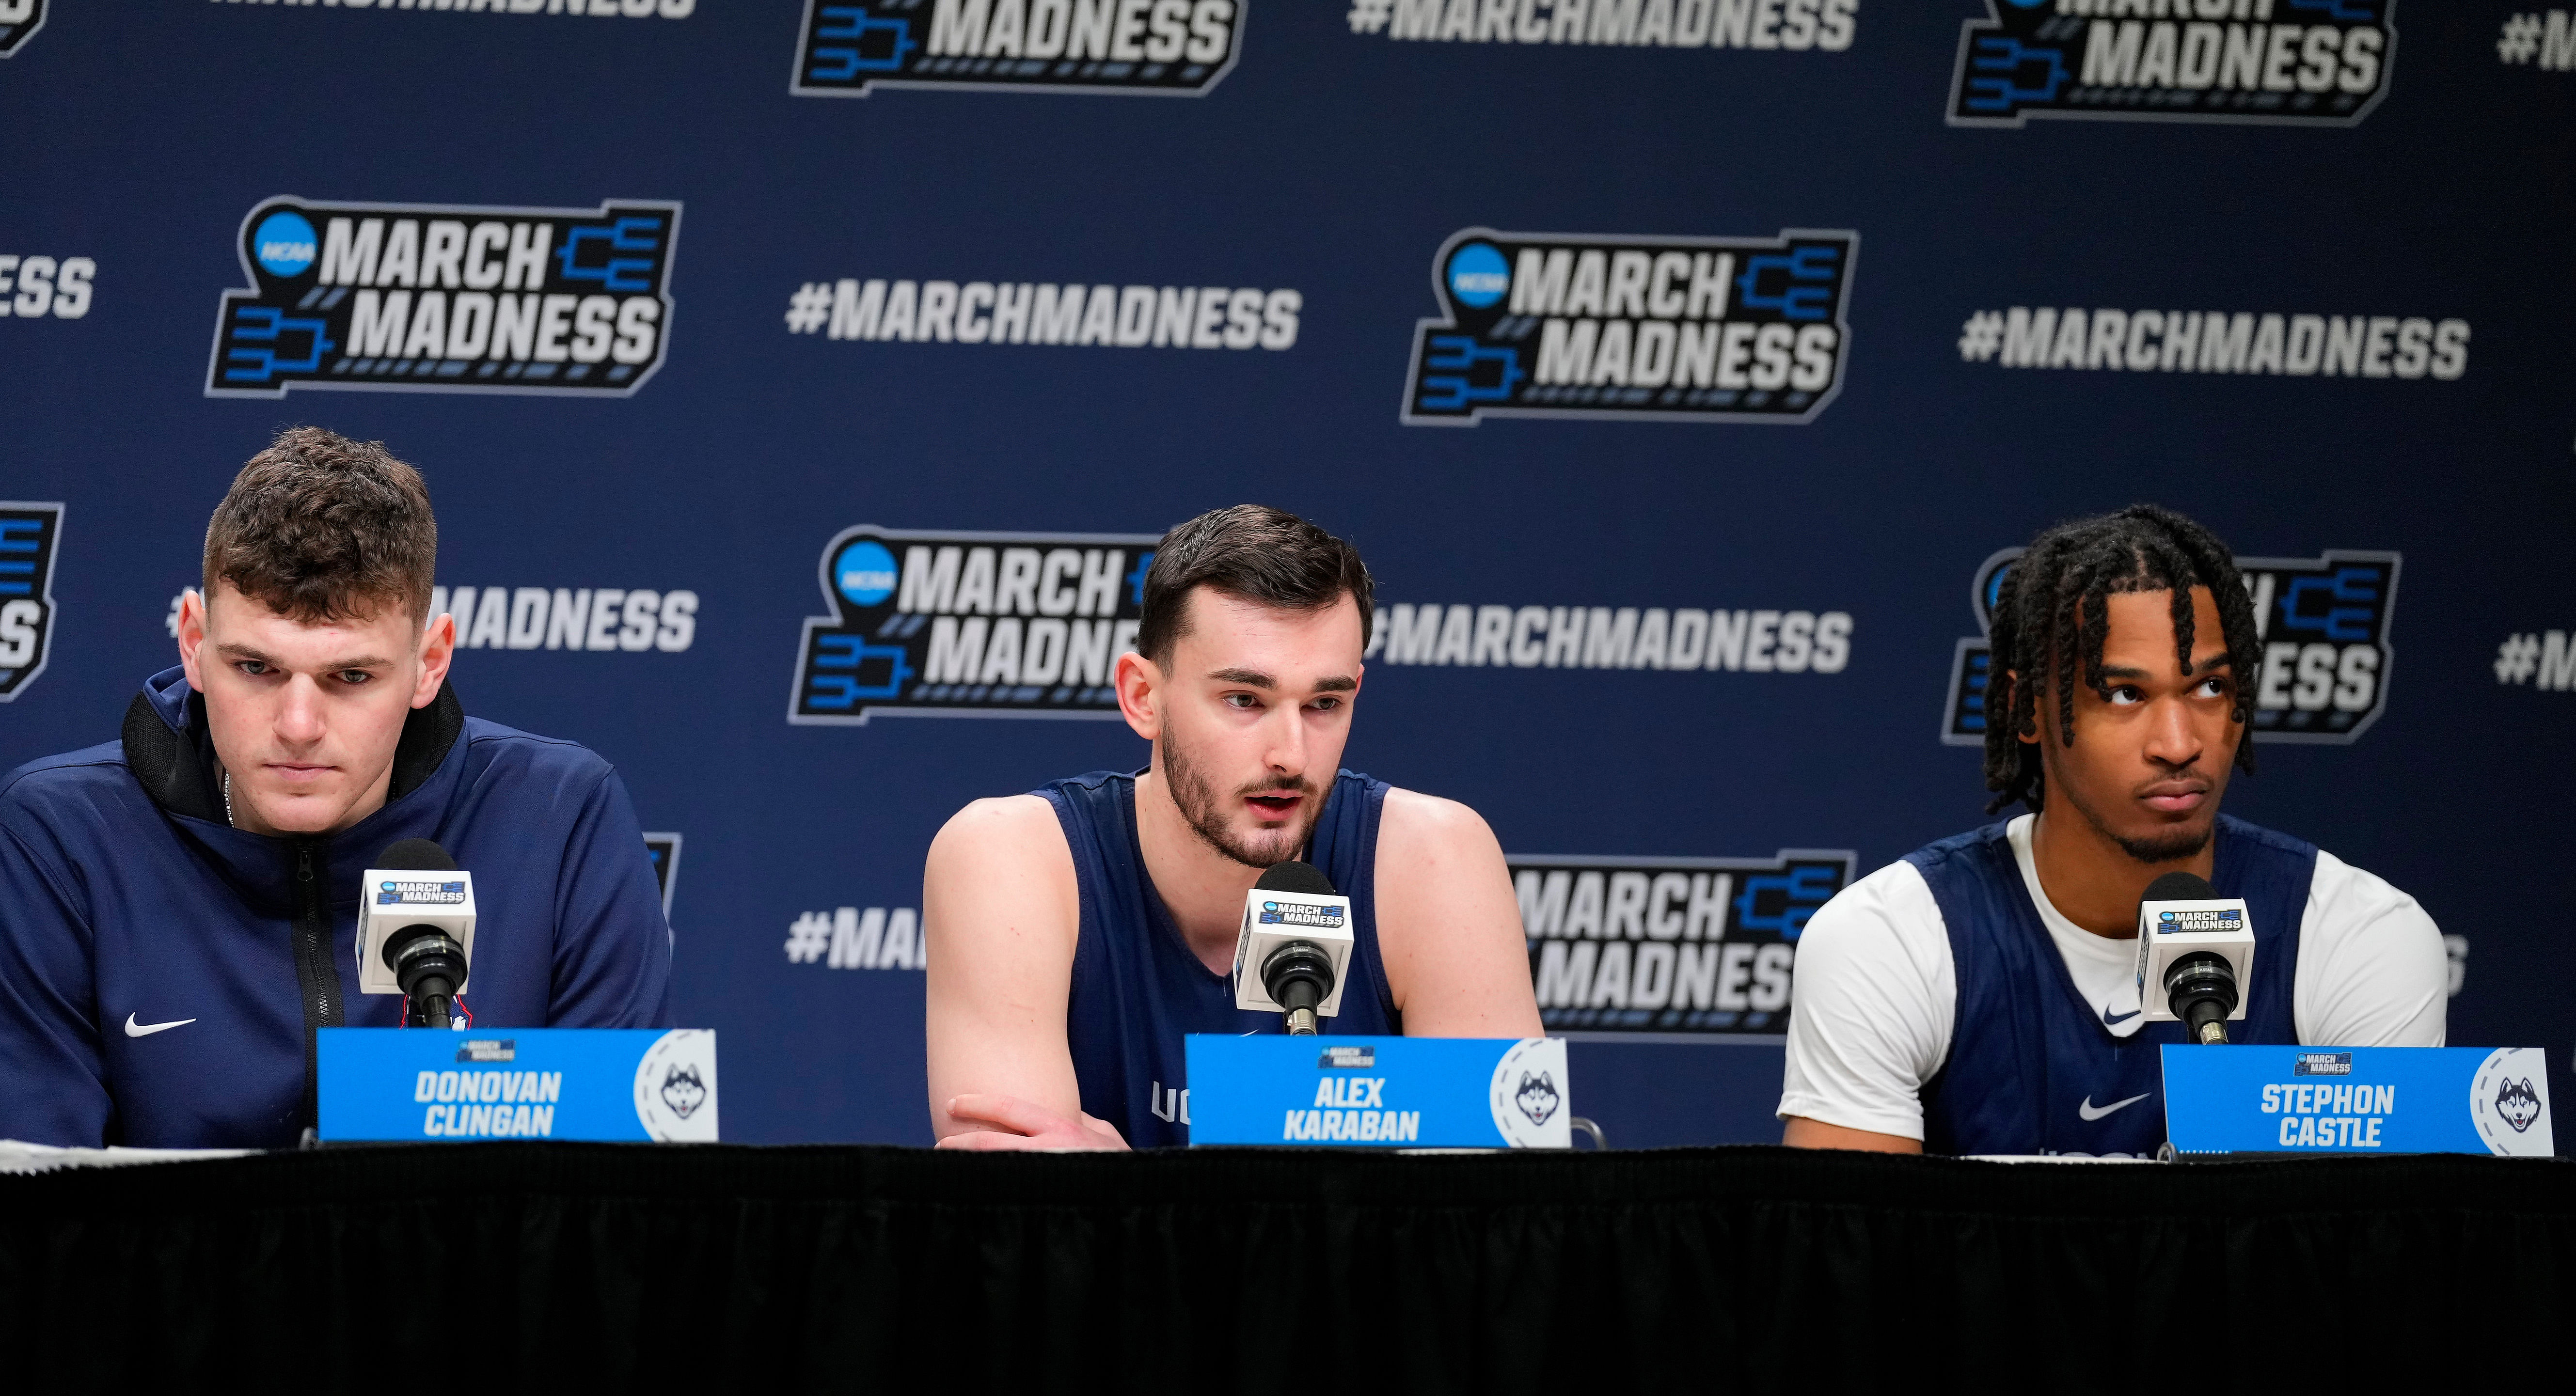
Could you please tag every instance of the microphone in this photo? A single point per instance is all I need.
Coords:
(2197, 949)
(416, 929)
(1295, 945)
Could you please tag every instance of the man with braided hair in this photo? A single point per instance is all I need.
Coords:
(1980, 996)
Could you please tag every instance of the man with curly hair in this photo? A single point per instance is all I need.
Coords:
(178, 908)
(1980, 996)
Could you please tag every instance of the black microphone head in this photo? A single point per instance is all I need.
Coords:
(1295, 877)
(2180, 887)
(416, 855)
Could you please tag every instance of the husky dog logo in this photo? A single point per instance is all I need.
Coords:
(676, 1096)
(2509, 1103)
(2518, 1103)
(1530, 1093)
(1537, 1097)
(683, 1091)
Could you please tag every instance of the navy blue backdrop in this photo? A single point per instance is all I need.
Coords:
(2270, 266)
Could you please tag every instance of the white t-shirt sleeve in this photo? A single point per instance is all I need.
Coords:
(1874, 998)
(2372, 970)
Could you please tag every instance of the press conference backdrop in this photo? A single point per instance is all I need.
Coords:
(802, 387)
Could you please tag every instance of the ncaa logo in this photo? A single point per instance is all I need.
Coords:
(1703, 947)
(283, 244)
(1166, 48)
(1478, 276)
(966, 624)
(2257, 62)
(446, 298)
(1608, 326)
(864, 573)
(2323, 624)
(29, 534)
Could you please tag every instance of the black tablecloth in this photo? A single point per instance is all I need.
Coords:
(563, 1265)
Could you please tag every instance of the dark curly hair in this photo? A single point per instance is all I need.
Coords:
(2054, 604)
(322, 528)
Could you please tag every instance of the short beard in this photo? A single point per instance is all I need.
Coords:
(1196, 798)
(2169, 846)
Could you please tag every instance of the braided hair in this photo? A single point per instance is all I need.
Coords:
(2054, 603)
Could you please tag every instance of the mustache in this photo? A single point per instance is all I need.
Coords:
(1299, 784)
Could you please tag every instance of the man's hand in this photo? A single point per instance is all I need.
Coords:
(1008, 1122)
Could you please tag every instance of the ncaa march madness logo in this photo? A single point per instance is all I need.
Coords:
(29, 536)
(1702, 947)
(956, 624)
(447, 298)
(1167, 48)
(19, 21)
(2271, 62)
(1678, 329)
(2323, 624)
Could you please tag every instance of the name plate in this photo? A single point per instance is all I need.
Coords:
(518, 1083)
(2357, 1100)
(1380, 1092)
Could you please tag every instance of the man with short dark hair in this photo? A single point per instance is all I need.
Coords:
(1980, 995)
(178, 909)
(1079, 932)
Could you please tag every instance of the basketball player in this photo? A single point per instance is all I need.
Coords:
(1077, 933)
(1980, 996)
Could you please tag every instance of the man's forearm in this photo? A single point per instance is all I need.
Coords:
(1804, 1133)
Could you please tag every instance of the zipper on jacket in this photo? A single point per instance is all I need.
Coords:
(313, 968)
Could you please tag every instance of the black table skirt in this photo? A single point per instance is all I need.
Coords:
(565, 1266)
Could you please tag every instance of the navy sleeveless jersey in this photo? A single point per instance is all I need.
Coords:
(2032, 1069)
(1137, 988)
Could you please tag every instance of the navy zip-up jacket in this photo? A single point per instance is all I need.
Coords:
(128, 903)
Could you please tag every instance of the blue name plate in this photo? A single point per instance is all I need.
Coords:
(2357, 1100)
(1380, 1092)
(518, 1083)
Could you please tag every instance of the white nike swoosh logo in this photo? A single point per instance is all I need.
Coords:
(135, 1029)
(2091, 1111)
